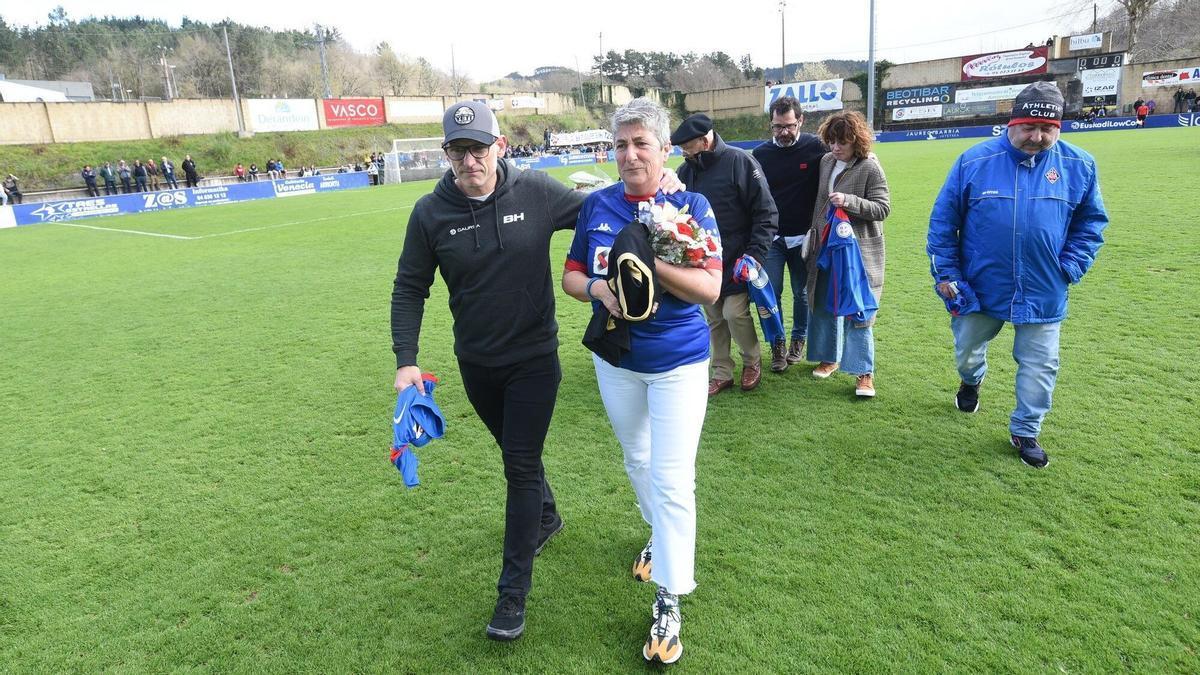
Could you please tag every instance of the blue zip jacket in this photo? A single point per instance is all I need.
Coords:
(849, 291)
(1018, 228)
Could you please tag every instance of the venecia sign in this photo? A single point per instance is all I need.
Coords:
(1004, 64)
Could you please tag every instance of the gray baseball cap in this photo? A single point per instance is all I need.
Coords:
(472, 120)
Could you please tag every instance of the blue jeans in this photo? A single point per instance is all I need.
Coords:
(777, 256)
(1035, 349)
(835, 339)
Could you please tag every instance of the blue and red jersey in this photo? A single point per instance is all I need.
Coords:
(678, 333)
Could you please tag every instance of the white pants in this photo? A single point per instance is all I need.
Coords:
(657, 418)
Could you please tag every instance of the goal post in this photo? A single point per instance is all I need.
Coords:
(412, 156)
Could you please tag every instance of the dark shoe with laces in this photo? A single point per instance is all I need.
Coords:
(967, 398)
(795, 352)
(779, 360)
(508, 621)
(1031, 451)
(547, 532)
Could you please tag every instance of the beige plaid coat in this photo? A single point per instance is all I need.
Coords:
(867, 204)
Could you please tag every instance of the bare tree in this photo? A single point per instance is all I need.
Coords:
(812, 70)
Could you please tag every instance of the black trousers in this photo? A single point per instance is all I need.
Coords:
(516, 403)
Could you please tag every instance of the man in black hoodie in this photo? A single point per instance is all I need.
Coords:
(487, 226)
(734, 185)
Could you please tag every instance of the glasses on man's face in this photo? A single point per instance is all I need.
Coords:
(784, 127)
(458, 152)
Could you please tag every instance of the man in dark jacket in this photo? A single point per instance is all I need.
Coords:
(110, 178)
(791, 161)
(734, 185)
(487, 226)
(191, 178)
(89, 179)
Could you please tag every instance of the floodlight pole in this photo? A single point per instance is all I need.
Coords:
(871, 73)
(237, 103)
(324, 65)
(782, 43)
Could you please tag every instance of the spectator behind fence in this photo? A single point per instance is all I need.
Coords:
(109, 176)
(139, 175)
(168, 172)
(89, 180)
(124, 174)
(253, 175)
(152, 173)
(12, 189)
(240, 172)
(191, 176)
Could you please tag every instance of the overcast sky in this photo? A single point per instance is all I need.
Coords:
(493, 39)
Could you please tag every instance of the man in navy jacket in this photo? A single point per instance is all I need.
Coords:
(1019, 219)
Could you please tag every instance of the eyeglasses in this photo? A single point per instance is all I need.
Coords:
(458, 152)
(784, 127)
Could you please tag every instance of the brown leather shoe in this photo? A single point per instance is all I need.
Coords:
(751, 376)
(864, 386)
(717, 386)
(779, 362)
(824, 369)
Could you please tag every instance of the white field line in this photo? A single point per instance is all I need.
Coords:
(114, 229)
(249, 229)
(302, 222)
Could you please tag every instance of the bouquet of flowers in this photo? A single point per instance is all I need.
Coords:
(675, 235)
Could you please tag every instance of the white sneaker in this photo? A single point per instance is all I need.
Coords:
(664, 645)
(641, 564)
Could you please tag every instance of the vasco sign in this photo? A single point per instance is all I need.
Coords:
(1005, 64)
(354, 112)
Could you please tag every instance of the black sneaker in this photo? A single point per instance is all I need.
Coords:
(547, 533)
(508, 621)
(967, 398)
(1031, 451)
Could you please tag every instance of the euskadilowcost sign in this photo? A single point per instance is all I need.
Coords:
(1005, 64)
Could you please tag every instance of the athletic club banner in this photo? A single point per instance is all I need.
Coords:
(354, 112)
(1004, 64)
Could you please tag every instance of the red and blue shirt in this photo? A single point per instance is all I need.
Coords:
(678, 333)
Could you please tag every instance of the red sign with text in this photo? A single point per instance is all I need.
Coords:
(354, 112)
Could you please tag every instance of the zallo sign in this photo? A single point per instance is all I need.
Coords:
(354, 112)
(1005, 64)
(815, 95)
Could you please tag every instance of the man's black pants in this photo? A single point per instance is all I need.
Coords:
(516, 403)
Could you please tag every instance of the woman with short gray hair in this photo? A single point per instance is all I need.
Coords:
(656, 393)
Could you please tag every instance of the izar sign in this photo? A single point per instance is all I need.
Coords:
(815, 95)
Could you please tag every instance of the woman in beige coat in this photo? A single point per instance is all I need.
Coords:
(852, 179)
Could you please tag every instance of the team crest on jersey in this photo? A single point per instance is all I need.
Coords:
(600, 260)
(844, 230)
(464, 115)
(1052, 176)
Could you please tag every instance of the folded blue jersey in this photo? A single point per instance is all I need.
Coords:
(849, 291)
(416, 421)
(762, 294)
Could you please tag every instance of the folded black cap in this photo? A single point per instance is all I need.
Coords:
(694, 126)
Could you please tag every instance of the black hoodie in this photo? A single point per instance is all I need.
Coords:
(494, 256)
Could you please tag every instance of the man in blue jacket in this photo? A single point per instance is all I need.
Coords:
(1019, 219)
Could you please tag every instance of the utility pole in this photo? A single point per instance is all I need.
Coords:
(237, 103)
(1095, 16)
(871, 73)
(324, 66)
(782, 48)
(162, 61)
(454, 74)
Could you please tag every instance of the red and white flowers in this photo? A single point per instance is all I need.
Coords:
(675, 235)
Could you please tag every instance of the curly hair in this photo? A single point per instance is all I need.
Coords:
(650, 115)
(850, 128)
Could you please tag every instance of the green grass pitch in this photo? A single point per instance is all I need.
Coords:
(194, 474)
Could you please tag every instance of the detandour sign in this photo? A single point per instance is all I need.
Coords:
(283, 114)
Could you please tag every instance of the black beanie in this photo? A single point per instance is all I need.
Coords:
(1039, 103)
